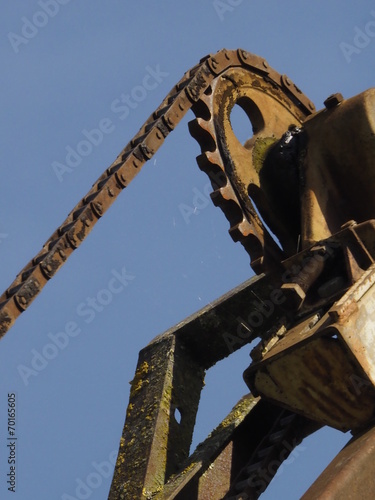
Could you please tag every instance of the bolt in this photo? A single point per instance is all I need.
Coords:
(265, 64)
(333, 100)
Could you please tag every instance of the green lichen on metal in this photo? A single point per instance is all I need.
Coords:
(260, 150)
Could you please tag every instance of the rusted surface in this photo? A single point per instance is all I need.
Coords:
(169, 377)
(235, 168)
(324, 368)
(208, 473)
(160, 419)
(351, 474)
(338, 167)
(317, 379)
(356, 323)
(186, 94)
(241, 456)
(305, 177)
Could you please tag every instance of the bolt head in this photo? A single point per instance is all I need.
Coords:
(333, 100)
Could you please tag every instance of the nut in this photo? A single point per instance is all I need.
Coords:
(333, 100)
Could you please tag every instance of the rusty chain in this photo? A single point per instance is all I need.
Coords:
(187, 94)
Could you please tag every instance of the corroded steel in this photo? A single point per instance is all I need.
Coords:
(302, 175)
(169, 377)
(245, 451)
(185, 95)
(338, 167)
(236, 169)
(351, 474)
(314, 368)
(241, 456)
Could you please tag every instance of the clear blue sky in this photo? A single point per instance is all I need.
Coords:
(65, 66)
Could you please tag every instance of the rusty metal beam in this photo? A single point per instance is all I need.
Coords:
(241, 456)
(351, 474)
(169, 379)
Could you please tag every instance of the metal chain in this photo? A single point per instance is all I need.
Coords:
(183, 96)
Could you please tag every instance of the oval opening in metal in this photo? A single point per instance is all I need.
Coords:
(246, 119)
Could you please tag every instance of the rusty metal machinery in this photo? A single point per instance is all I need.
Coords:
(298, 196)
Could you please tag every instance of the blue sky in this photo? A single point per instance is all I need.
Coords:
(65, 66)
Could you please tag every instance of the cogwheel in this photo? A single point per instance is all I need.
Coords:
(272, 106)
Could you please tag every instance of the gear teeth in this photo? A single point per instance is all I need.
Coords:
(224, 198)
(201, 131)
(241, 230)
(210, 163)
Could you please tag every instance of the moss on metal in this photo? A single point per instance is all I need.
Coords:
(260, 150)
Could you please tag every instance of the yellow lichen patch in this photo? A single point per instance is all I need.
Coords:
(140, 378)
(238, 413)
(129, 410)
(189, 468)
